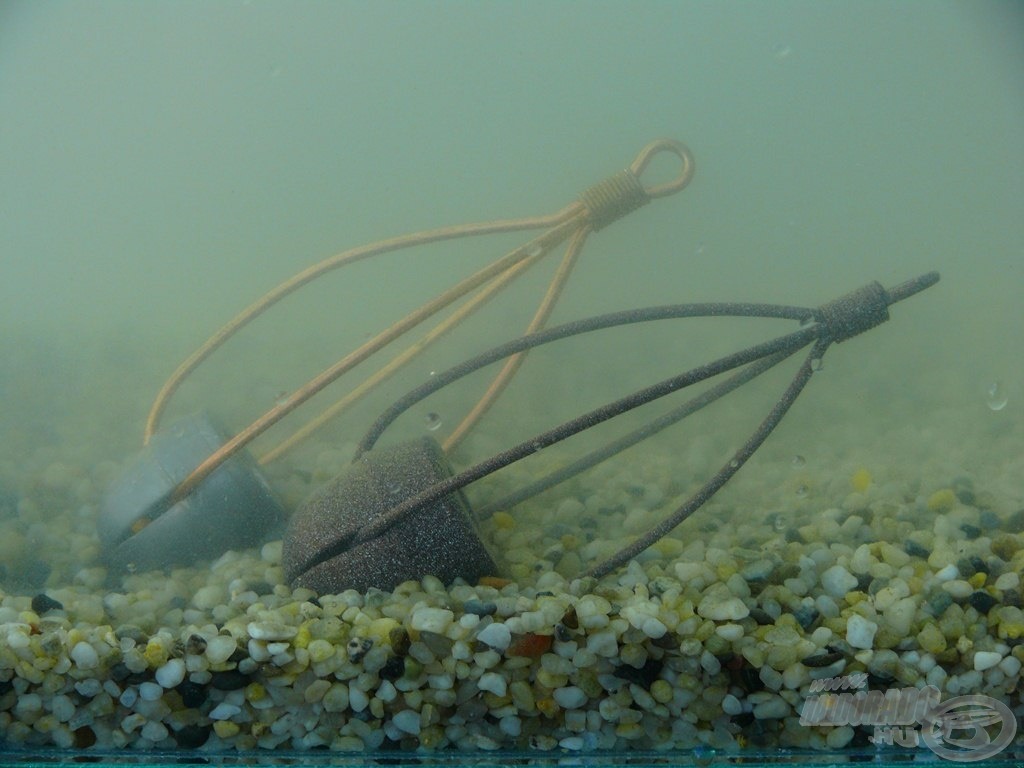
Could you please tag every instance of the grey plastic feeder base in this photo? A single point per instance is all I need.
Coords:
(439, 539)
(233, 508)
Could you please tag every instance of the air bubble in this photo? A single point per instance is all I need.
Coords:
(534, 251)
(817, 364)
(798, 461)
(780, 523)
(432, 422)
(801, 490)
(782, 52)
(703, 754)
(996, 393)
(734, 464)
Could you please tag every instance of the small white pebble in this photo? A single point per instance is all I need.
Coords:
(407, 721)
(958, 588)
(154, 731)
(492, 682)
(772, 709)
(729, 631)
(572, 743)
(171, 674)
(603, 643)
(84, 656)
(719, 605)
(1008, 580)
(150, 691)
(569, 697)
(731, 705)
(837, 581)
(220, 648)
(496, 635)
(271, 630)
(986, 660)
(224, 711)
(653, 628)
(860, 633)
(431, 619)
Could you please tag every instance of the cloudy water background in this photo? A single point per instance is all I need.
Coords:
(163, 164)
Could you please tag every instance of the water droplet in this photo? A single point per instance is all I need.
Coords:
(817, 364)
(433, 373)
(801, 490)
(780, 523)
(281, 399)
(996, 396)
(534, 250)
(798, 461)
(432, 422)
(734, 464)
(809, 320)
(394, 488)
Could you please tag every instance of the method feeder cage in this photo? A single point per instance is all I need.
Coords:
(400, 512)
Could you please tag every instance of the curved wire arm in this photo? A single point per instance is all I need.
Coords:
(836, 321)
(597, 207)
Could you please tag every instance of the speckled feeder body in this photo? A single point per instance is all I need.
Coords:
(440, 539)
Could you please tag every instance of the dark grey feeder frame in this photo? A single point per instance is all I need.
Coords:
(399, 513)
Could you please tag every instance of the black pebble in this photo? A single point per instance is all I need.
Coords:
(42, 603)
(479, 608)
(644, 677)
(982, 602)
(192, 694)
(965, 496)
(1012, 598)
(229, 680)
(119, 672)
(914, 549)
(806, 616)
(761, 616)
(970, 531)
(393, 669)
(192, 736)
(822, 659)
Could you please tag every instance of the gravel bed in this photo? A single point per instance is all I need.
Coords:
(810, 568)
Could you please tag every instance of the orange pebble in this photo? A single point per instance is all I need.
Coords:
(530, 644)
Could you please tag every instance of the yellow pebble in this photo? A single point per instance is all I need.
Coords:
(320, 650)
(661, 691)
(861, 480)
(301, 640)
(503, 521)
(155, 653)
(668, 547)
(547, 706)
(942, 501)
(255, 692)
(225, 729)
(978, 580)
